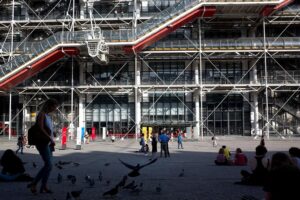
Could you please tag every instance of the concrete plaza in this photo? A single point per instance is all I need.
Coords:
(202, 179)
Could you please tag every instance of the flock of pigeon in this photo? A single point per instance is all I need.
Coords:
(133, 187)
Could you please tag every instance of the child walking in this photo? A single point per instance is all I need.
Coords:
(179, 140)
(214, 141)
(20, 144)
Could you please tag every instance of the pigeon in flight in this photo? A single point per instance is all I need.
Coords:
(34, 165)
(136, 169)
(106, 164)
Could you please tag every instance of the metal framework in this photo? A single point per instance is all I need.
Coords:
(197, 51)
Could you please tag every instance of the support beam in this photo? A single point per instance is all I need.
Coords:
(137, 97)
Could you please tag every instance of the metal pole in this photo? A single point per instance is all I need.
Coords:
(134, 24)
(72, 99)
(201, 84)
(12, 29)
(9, 118)
(73, 18)
(266, 81)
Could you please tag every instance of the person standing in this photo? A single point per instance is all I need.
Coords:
(179, 140)
(154, 145)
(44, 122)
(164, 139)
(20, 144)
(142, 143)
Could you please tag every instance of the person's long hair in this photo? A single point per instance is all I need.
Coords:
(48, 104)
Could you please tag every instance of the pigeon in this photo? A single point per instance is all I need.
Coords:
(122, 182)
(76, 194)
(158, 188)
(64, 162)
(137, 190)
(68, 196)
(248, 197)
(136, 169)
(106, 164)
(100, 177)
(72, 178)
(87, 178)
(34, 165)
(76, 164)
(59, 178)
(58, 166)
(130, 185)
(107, 182)
(91, 182)
(181, 173)
(112, 192)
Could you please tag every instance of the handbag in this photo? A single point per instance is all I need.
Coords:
(36, 136)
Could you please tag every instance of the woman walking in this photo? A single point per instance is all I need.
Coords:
(45, 149)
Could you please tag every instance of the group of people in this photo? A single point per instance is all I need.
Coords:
(224, 157)
(279, 176)
(164, 139)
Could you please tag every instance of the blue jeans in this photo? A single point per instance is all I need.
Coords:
(44, 173)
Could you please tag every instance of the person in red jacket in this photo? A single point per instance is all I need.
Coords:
(240, 157)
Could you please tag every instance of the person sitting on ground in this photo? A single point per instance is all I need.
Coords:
(295, 156)
(227, 152)
(240, 157)
(221, 159)
(13, 168)
(259, 168)
(283, 179)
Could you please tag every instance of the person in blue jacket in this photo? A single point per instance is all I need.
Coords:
(179, 140)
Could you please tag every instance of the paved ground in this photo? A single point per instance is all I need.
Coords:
(202, 179)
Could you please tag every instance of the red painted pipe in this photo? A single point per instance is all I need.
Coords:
(36, 67)
(201, 12)
(268, 10)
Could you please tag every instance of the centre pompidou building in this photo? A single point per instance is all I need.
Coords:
(122, 67)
